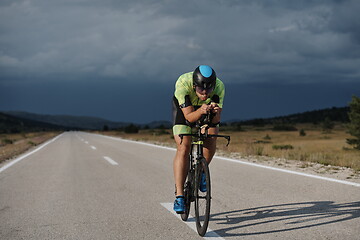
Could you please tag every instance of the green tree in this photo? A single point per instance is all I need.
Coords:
(131, 129)
(354, 125)
(238, 127)
(327, 125)
(302, 133)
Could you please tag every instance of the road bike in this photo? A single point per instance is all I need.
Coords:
(198, 166)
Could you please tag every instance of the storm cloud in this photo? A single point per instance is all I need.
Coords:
(152, 42)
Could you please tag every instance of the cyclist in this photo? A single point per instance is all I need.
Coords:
(196, 93)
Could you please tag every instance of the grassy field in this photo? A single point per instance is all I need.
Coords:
(12, 145)
(327, 149)
(316, 146)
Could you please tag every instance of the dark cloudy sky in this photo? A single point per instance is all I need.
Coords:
(120, 59)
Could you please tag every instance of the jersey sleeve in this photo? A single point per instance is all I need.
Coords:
(181, 92)
(221, 93)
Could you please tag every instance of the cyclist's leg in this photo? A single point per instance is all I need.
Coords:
(210, 144)
(181, 162)
(181, 159)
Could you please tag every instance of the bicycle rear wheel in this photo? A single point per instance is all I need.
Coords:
(202, 199)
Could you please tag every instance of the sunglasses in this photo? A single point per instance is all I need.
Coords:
(201, 89)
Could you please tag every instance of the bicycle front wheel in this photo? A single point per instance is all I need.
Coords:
(187, 196)
(202, 198)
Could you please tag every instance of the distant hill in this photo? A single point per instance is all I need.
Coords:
(335, 114)
(39, 121)
(82, 122)
(12, 124)
(158, 124)
(78, 122)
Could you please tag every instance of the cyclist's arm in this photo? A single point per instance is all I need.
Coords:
(217, 107)
(217, 117)
(191, 115)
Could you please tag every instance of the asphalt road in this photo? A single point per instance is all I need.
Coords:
(87, 186)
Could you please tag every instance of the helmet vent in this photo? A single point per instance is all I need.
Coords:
(206, 71)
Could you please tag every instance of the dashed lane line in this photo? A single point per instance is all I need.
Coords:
(112, 162)
(28, 154)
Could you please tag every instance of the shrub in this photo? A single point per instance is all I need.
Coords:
(282, 147)
(259, 150)
(354, 125)
(7, 141)
(302, 133)
(267, 137)
(327, 125)
(160, 132)
(354, 142)
(238, 128)
(262, 141)
(162, 126)
(258, 122)
(131, 129)
(254, 149)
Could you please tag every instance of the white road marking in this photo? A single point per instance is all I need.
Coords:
(246, 163)
(291, 172)
(210, 234)
(79, 138)
(141, 143)
(86, 142)
(112, 162)
(28, 154)
(93, 147)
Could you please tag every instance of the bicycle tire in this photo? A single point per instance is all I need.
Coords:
(202, 199)
(187, 196)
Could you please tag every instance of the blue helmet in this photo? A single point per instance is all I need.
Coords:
(204, 76)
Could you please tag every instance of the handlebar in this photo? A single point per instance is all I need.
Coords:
(203, 123)
(206, 118)
(203, 136)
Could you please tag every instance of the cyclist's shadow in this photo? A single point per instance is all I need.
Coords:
(292, 216)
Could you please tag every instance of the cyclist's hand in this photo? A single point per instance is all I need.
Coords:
(204, 109)
(215, 108)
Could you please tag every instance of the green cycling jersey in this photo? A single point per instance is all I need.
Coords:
(185, 96)
(184, 87)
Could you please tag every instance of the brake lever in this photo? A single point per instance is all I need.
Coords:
(228, 138)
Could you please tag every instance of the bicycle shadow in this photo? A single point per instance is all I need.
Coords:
(293, 216)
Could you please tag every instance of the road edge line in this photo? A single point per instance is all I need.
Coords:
(18, 159)
(289, 171)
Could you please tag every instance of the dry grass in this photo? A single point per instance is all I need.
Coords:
(327, 149)
(12, 145)
(316, 146)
